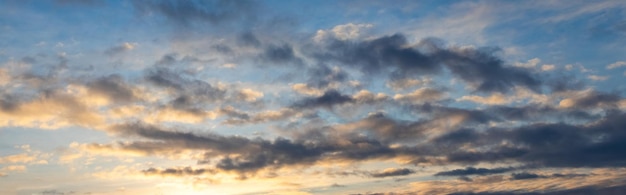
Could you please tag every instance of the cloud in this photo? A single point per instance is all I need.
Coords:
(49, 109)
(494, 99)
(598, 77)
(342, 32)
(391, 172)
(548, 67)
(120, 49)
(401, 84)
(248, 39)
(590, 99)
(249, 95)
(114, 88)
(190, 12)
(178, 172)
(474, 171)
(616, 65)
(478, 67)
(372, 56)
(17, 158)
(327, 100)
(532, 63)
(422, 95)
(189, 92)
(525, 175)
(280, 54)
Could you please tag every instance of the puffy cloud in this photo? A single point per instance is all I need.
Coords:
(342, 32)
(249, 95)
(478, 67)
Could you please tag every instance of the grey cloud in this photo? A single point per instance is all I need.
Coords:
(596, 190)
(376, 55)
(252, 154)
(483, 68)
(183, 139)
(189, 12)
(322, 76)
(189, 92)
(479, 67)
(9, 102)
(179, 172)
(248, 39)
(596, 99)
(280, 54)
(29, 60)
(116, 50)
(551, 145)
(327, 100)
(525, 175)
(114, 87)
(534, 112)
(393, 172)
(474, 171)
(222, 48)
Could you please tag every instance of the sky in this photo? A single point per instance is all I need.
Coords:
(312, 97)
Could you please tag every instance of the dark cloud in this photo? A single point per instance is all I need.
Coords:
(114, 87)
(552, 145)
(532, 112)
(478, 67)
(474, 171)
(9, 102)
(248, 39)
(525, 175)
(599, 190)
(222, 48)
(280, 54)
(378, 55)
(189, 12)
(481, 67)
(328, 100)
(321, 76)
(190, 93)
(245, 155)
(596, 99)
(393, 172)
(167, 60)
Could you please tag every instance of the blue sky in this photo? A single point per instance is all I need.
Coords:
(312, 97)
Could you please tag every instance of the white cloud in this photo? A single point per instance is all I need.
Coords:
(529, 64)
(342, 32)
(616, 65)
(598, 77)
(548, 67)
